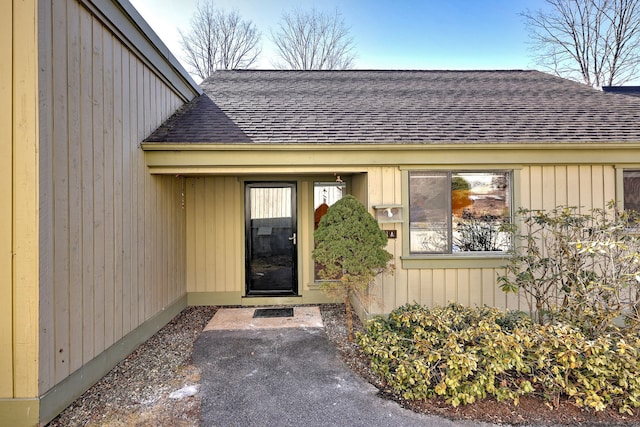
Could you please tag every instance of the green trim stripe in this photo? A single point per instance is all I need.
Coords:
(19, 412)
(63, 394)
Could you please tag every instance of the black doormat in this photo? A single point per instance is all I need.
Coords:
(273, 312)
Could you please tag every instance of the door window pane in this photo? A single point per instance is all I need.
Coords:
(270, 203)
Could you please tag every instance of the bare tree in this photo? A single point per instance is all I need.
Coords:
(593, 41)
(313, 40)
(219, 40)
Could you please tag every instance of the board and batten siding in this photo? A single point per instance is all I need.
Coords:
(18, 200)
(537, 187)
(112, 249)
(215, 224)
(6, 199)
(215, 243)
(215, 221)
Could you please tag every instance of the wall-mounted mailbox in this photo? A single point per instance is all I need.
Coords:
(388, 213)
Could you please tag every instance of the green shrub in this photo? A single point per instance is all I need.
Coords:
(464, 354)
(350, 248)
(577, 268)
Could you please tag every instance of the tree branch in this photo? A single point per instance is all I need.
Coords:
(313, 41)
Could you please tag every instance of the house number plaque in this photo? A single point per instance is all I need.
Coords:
(391, 234)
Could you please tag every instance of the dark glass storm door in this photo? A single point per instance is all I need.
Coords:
(271, 238)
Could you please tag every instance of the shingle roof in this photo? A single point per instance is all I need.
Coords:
(400, 107)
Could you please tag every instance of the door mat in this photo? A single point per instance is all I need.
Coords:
(273, 312)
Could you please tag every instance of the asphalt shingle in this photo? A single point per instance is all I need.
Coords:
(416, 107)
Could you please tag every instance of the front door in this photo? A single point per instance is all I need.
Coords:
(271, 238)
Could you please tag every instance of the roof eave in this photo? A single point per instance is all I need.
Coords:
(456, 145)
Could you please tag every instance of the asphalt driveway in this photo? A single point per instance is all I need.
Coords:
(289, 377)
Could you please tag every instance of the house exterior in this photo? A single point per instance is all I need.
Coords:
(92, 246)
(430, 153)
(129, 193)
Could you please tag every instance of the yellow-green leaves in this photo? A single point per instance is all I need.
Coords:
(465, 354)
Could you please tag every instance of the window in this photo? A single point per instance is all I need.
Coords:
(458, 212)
(631, 185)
(325, 194)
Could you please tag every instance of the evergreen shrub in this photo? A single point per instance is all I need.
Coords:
(464, 354)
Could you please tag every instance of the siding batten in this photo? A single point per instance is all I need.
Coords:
(46, 195)
(118, 195)
(87, 191)
(97, 323)
(75, 358)
(108, 203)
(561, 185)
(60, 155)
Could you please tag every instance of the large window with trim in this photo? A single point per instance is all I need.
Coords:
(631, 185)
(458, 212)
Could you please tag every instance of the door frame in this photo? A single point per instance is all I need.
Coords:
(248, 240)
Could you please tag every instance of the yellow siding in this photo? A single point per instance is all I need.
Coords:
(6, 200)
(18, 200)
(214, 234)
(584, 186)
(540, 187)
(305, 242)
(112, 236)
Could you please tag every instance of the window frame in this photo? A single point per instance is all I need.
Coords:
(622, 190)
(620, 170)
(344, 184)
(468, 259)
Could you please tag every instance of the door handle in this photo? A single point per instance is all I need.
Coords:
(294, 239)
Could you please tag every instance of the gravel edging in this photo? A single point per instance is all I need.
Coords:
(136, 391)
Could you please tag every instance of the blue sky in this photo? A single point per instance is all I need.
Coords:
(388, 34)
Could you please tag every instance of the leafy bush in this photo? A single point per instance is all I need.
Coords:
(575, 268)
(464, 354)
